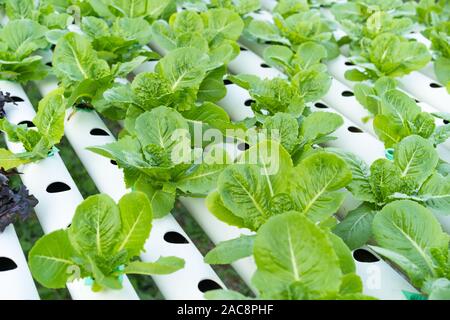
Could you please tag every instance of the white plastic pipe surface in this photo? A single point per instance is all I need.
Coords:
(183, 284)
(15, 283)
(55, 209)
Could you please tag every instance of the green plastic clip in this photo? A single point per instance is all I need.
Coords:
(54, 150)
(413, 296)
(389, 153)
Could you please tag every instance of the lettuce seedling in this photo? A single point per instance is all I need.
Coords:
(410, 236)
(15, 202)
(297, 260)
(38, 141)
(101, 243)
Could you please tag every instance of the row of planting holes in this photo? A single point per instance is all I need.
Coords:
(7, 264)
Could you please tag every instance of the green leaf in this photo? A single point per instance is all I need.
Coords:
(416, 158)
(385, 180)
(243, 190)
(23, 37)
(183, 67)
(359, 186)
(231, 250)
(442, 70)
(74, 59)
(318, 180)
(159, 126)
(291, 249)
(50, 259)
(216, 206)
(164, 265)
(435, 193)
(19, 9)
(222, 24)
(345, 256)
(136, 217)
(410, 230)
(320, 124)
(9, 160)
(50, 116)
(287, 128)
(96, 227)
(356, 228)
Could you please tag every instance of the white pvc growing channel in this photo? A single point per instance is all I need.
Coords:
(50, 182)
(86, 129)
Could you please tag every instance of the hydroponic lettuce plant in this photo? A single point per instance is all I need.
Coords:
(123, 41)
(83, 74)
(15, 201)
(292, 28)
(415, 174)
(39, 141)
(297, 260)
(19, 40)
(214, 32)
(389, 55)
(101, 244)
(410, 236)
(251, 193)
(396, 115)
(182, 79)
(439, 36)
(149, 10)
(357, 12)
(157, 158)
(432, 12)
(377, 23)
(304, 68)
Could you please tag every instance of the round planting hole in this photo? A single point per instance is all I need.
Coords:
(113, 162)
(175, 237)
(243, 146)
(347, 93)
(6, 264)
(320, 105)
(417, 101)
(249, 102)
(227, 82)
(349, 63)
(57, 187)
(50, 64)
(28, 123)
(354, 129)
(435, 85)
(243, 49)
(362, 255)
(264, 65)
(446, 121)
(208, 285)
(98, 132)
